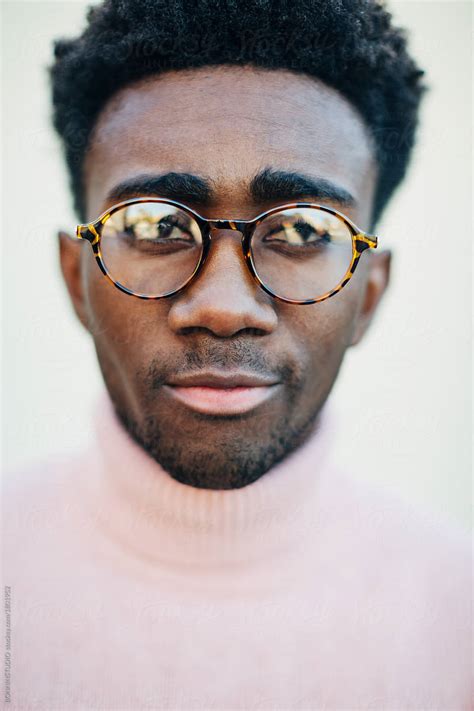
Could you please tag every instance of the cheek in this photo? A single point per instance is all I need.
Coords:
(321, 334)
(125, 329)
(324, 329)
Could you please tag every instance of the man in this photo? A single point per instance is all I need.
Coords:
(229, 164)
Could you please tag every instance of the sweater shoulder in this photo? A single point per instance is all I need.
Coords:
(406, 527)
(41, 477)
(37, 495)
(425, 555)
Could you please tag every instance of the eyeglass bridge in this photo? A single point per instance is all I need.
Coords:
(227, 224)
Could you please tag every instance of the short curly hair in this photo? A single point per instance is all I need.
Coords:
(351, 45)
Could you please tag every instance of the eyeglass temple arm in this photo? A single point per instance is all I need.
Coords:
(88, 232)
(364, 241)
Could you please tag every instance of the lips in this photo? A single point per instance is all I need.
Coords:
(222, 393)
(222, 380)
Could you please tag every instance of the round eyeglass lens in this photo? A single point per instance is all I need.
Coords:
(151, 248)
(301, 253)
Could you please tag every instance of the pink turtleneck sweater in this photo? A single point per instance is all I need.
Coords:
(307, 589)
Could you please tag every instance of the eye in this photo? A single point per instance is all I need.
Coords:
(168, 228)
(297, 233)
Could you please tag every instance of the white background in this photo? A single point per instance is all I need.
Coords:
(403, 395)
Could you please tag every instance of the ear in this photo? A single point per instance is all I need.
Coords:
(376, 284)
(70, 251)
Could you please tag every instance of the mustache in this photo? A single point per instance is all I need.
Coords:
(231, 355)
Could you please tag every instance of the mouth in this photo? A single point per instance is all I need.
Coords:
(222, 394)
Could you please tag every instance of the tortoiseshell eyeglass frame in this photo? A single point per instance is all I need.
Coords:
(360, 242)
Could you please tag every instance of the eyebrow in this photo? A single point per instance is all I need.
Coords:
(266, 186)
(272, 184)
(181, 187)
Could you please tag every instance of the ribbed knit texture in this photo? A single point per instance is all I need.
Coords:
(307, 589)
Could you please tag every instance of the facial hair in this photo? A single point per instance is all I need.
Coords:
(215, 451)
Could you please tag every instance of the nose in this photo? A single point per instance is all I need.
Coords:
(224, 298)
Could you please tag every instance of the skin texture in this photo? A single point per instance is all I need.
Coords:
(225, 124)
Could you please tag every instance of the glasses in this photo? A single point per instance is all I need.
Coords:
(299, 253)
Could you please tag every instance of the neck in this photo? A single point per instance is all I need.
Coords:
(160, 519)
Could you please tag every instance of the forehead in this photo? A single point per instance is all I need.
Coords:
(228, 123)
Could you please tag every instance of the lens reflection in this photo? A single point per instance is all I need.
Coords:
(154, 248)
(301, 253)
(151, 248)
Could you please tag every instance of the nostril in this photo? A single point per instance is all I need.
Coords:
(253, 331)
(190, 330)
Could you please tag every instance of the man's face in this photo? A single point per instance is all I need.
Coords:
(224, 125)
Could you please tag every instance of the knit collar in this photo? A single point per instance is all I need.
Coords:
(156, 518)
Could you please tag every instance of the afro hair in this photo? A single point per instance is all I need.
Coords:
(351, 45)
